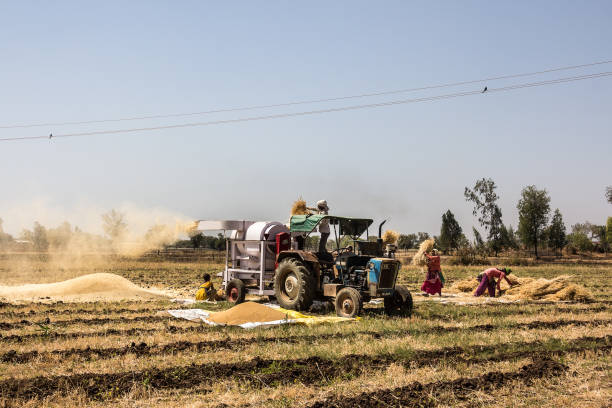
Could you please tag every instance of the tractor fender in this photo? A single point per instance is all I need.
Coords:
(306, 257)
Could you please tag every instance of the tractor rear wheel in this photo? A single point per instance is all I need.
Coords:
(235, 291)
(348, 302)
(294, 286)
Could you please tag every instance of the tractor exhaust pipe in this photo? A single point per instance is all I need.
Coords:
(380, 230)
(379, 241)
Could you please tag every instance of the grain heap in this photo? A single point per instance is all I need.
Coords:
(86, 288)
(419, 258)
(390, 237)
(246, 313)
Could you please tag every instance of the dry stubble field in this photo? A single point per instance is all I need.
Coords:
(94, 354)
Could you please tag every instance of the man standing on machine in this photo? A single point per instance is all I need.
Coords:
(322, 209)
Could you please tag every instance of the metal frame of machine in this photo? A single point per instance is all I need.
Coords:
(249, 260)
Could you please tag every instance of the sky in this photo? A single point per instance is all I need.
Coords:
(68, 61)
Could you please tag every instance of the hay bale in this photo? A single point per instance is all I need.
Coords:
(390, 237)
(571, 292)
(419, 258)
(299, 207)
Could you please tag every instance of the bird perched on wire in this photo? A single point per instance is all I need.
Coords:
(50, 135)
(484, 90)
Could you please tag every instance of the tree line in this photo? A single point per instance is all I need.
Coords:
(537, 227)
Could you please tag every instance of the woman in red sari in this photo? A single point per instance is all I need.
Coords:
(433, 283)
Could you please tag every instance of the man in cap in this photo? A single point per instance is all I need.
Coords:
(322, 209)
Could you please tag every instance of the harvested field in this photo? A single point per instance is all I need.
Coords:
(123, 353)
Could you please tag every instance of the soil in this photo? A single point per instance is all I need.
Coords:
(267, 372)
(93, 321)
(426, 395)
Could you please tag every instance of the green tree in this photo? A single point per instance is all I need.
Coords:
(508, 237)
(114, 225)
(609, 232)
(422, 236)
(533, 208)
(489, 214)
(196, 240)
(407, 241)
(450, 232)
(478, 241)
(556, 232)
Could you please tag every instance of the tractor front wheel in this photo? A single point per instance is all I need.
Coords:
(235, 291)
(348, 302)
(294, 287)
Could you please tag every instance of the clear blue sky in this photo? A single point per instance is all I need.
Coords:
(70, 61)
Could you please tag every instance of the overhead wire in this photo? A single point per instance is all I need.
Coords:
(309, 101)
(320, 111)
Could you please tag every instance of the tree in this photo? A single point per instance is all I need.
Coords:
(196, 240)
(450, 232)
(60, 237)
(478, 242)
(508, 237)
(422, 236)
(485, 202)
(114, 225)
(4, 237)
(609, 231)
(556, 232)
(609, 194)
(407, 241)
(533, 208)
(39, 238)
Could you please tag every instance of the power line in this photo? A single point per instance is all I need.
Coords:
(314, 112)
(310, 101)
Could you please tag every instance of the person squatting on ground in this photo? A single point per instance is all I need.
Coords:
(322, 209)
(434, 281)
(207, 290)
(487, 280)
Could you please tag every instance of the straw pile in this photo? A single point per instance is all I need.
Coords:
(470, 285)
(465, 285)
(559, 288)
(390, 237)
(247, 312)
(419, 258)
(299, 207)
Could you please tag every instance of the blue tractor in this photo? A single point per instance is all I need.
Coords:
(348, 276)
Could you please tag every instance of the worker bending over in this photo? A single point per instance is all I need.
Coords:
(487, 280)
(207, 290)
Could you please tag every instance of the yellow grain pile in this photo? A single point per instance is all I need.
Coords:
(419, 258)
(299, 207)
(390, 237)
(559, 288)
(247, 312)
(86, 288)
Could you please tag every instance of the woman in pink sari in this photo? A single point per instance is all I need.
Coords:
(433, 284)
